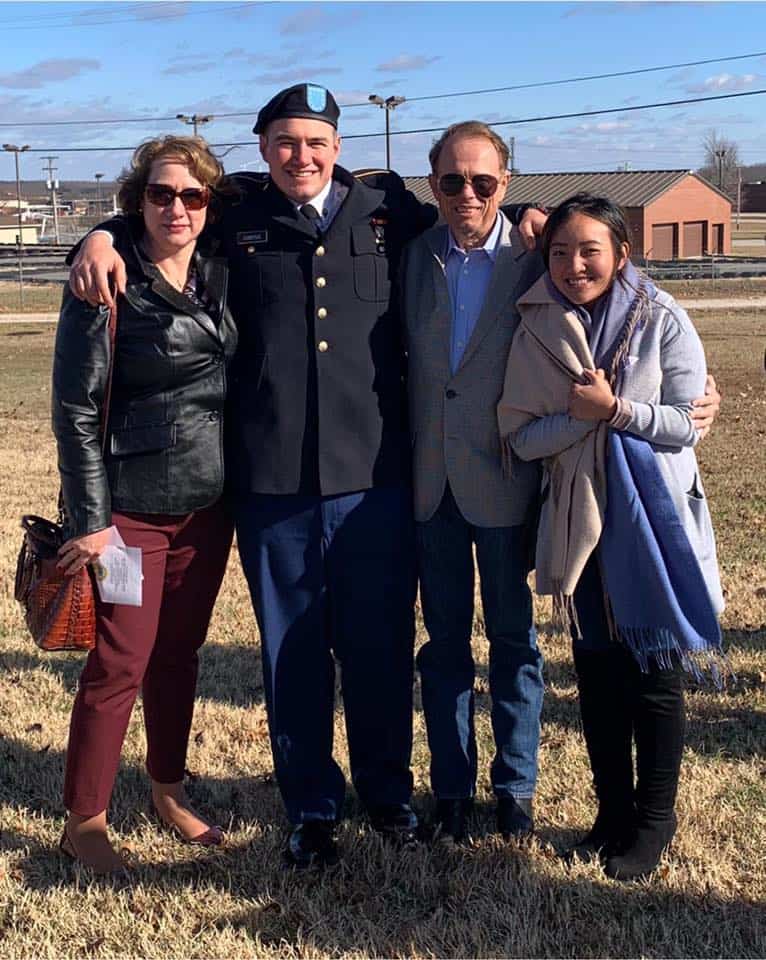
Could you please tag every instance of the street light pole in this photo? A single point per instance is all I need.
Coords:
(12, 148)
(389, 104)
(721, 156)
(195, 119)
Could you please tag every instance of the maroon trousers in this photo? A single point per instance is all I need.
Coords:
(152, 647)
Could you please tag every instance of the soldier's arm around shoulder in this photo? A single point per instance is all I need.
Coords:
(412, 215)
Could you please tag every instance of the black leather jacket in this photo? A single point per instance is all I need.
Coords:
(164, 450)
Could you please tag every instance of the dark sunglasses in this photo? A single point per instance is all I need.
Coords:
(484, 184)
(193, 198)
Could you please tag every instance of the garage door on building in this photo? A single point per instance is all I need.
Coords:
(694, 238)
(664, 241)
(718, 238)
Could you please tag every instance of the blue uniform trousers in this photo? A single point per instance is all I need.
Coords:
(332, 579)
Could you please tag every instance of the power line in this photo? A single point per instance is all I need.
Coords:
(499, 123)
(435, 96)
(571, 116)
(595, 76)
(86, 21)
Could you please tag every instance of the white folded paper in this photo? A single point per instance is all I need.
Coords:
(118, 572)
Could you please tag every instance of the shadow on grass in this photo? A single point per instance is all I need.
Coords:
(486, 899)
(489, 900)
(228, 673)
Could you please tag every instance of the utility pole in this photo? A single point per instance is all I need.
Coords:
(98, 177)
(12, 148)
(739, 194)
(389, 104)
(53, 185)
(512, 153)
(720, 156)
(196, 120)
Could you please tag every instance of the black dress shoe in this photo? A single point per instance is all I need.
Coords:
(514, 817)
(450, 818)
(312, 844)
(396, 822)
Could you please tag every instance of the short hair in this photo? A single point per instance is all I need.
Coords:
(470, 128)
(193, 152)
(598, 208)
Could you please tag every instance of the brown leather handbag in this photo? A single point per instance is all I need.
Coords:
(60, 611)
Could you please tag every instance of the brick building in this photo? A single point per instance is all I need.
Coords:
(672, 214)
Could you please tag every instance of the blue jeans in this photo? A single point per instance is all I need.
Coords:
(446, 569)
(333, 578)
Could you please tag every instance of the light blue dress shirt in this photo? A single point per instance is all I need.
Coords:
(468, 276)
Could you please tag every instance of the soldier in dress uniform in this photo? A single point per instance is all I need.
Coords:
(319, 464)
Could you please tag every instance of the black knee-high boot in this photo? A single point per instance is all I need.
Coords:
(659, 723)
(604, 680)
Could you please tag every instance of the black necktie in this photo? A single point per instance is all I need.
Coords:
(310, 215)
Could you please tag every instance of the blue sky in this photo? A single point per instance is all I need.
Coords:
(139, 61)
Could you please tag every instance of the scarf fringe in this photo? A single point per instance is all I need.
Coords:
(564, 618)
(662, 646)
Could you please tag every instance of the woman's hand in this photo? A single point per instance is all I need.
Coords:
(592, 400)
(80, 551)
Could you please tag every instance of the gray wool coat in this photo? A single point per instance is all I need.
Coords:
(666, 370)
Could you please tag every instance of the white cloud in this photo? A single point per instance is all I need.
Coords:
(406, 61)
(47, 71)
(725, 82)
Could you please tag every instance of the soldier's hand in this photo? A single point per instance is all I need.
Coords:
(531, 227)
(705, 409)
(96, 263)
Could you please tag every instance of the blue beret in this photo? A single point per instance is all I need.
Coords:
(306, 100)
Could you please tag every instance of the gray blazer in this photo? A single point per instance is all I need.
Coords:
(453, 417)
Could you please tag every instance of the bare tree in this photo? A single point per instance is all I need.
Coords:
(721, 162)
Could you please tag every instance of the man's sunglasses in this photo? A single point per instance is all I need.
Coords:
(193, 198)
(484, 184)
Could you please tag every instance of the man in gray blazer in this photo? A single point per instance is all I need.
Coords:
(459, 286)
(460, 282)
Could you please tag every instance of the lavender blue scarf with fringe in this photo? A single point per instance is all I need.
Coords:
(660, 605)
(659, 602)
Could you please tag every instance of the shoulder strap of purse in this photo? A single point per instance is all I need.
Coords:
(112, 328)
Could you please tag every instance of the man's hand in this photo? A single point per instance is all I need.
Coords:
(705, 409)
(96, 262)
(531, 227)
(79, 551)
(592, 400)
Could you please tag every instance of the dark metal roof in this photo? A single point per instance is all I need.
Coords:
(632, 188)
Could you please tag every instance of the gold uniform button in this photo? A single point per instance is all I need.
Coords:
(251, 249)
(321, 313)
(320, 251)
(323, 346)
(321, 282)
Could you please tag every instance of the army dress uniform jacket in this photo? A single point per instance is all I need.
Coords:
(318, 400)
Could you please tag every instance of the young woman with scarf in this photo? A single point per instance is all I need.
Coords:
(599, 385)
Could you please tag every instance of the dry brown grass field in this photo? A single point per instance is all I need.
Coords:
(487, 899)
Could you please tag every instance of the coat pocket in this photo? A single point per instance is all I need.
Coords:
(150, 438)
(371, 268)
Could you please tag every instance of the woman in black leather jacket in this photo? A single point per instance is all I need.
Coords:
(159, 482)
